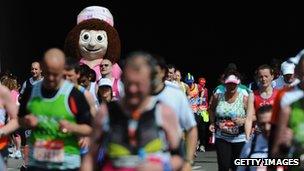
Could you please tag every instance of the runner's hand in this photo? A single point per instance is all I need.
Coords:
(66, 126)
(239, 121)
(84, 142)
(30, 121)
(211, 128)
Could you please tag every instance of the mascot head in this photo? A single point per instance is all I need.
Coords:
(94, 36)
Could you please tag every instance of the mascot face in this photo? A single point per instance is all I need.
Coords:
(93, 44)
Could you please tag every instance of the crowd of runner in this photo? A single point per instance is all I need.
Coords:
(63, 118)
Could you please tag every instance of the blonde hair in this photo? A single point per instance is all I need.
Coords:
(10, 82)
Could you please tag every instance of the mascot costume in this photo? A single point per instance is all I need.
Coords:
(93, 39)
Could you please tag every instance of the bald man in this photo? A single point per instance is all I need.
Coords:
(57, 113)
(36, 73)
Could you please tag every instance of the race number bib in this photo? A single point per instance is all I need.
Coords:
(49, 151)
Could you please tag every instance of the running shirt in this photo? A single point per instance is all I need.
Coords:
(260, 101)
(279, 83)
(241, 89)
(29, 84)
(224, 113)
(193, 95)
(291, 96)
(131, 140)
(177, 100)
(49, 147)
(296, 123)
(277, 104)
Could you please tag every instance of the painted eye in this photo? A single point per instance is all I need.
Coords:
(99, 38)
(85, 37)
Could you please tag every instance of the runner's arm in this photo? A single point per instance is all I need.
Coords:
(11, 110)
(250, 115)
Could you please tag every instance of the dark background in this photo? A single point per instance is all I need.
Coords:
(197, 37)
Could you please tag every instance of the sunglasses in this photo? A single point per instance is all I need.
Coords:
(104, 65)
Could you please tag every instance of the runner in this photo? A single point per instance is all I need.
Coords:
(183, 86)
(138, 127)
(58, 113)
(105, 92)
(287, 78)
(227, 118)
(257, 146)
(85, 81)
(8, 109)
(289, 133)
(36, 72)
(177, 100)
(265, 95)
(170, 72)
(11, 83)
(72, 74)
(117, 85)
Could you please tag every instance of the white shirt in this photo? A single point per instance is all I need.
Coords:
(177, 100)
(280, 83)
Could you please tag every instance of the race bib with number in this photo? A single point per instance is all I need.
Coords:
(49, 151)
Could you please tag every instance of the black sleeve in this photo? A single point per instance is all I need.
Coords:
(23, 102)
(80, 107)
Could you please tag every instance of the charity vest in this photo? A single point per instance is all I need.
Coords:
(48, 143)
(260, 101)
(147, 133)
(296, 123)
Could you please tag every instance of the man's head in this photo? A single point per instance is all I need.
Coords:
(263, 118)
(287, 69)
(84, 79)
(72, 70)
(105, 92)
(53, 66)
(170, 72)
(138, 75)
(105, 67)
(36, 70)
(265, 76)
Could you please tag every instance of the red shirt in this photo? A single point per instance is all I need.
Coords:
(260, 101)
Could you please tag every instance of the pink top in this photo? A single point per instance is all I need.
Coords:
(15, 96)
(116, 71)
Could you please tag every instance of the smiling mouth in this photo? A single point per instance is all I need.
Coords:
(91, 50)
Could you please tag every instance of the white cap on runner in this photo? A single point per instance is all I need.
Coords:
(287, 68)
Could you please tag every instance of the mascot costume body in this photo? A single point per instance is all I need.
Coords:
(93, 39)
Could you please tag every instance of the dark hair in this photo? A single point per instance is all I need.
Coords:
(92, 75)
(264, 66)
(72, 63)
(84, 70)
(160, 61)
(264, 109)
